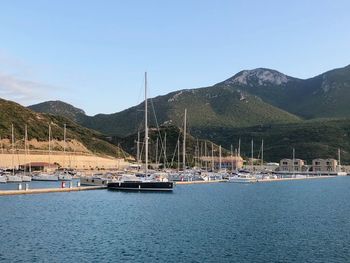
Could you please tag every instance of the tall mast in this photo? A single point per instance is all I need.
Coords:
(212, 157)
(231, 159)
(13, 150)
(220, 158)
(293, 160)
(239, 147)
(64, 144)
(178, 155)
(184, 143)
(262, 153)
(339, 157)
(25, 148)
(49, 145)
(236, 159)
(206, 155)
(157, 151)
(138, 148)
(146, 128)
(252, 163)
(165, 159)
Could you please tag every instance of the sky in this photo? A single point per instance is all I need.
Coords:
(93, 54)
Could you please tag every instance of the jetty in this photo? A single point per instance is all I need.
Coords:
(50, 190)
(200, 182)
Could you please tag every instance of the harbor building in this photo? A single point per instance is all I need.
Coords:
(325, 165)
(292, 165)
(227, 163)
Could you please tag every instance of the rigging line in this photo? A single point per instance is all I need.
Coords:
(177, 145)
(157, 124)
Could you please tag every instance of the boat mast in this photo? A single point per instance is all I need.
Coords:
(293, 161)
(212, 157)
(184, 143)
(157, 151)
(49, 145)
(239, 147)
(178, 155)
(231, 158)
(165, 159)
(252, 163)
(339, 165)
(138, 148)
(206, 156)
(13, 150)
(25, 148)
(262, 153)
(64, 144)
(146, 128)
(220, 158)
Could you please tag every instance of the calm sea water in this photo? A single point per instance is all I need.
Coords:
(296, 221)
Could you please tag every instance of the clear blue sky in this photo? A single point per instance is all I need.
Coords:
(93, 53)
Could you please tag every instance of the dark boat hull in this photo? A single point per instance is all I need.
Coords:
(141, 186)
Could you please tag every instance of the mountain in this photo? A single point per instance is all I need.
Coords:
(214, 106)
(311, 115)
(78, 138)
(60, 108)
(324, 96)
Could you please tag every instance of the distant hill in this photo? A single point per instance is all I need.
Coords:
(60, 108)
(13, 113)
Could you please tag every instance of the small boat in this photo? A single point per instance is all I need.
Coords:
(95, 180)
(3, 179)
(242, 178)
(64, 176)
(45, 177)
(14, 179)
(26, 178)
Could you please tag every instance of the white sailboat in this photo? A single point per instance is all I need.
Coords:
(25, 177)
(13, 178)
(46, 176)
(64, 175)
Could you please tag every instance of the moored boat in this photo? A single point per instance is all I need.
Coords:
(45, 177)
(242, 178)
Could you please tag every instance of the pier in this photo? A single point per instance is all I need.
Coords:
(50, 190)
(200, 182)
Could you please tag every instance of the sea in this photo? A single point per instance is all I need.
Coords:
(289, 221)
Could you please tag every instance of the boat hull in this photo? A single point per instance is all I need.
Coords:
(45, 178)
(141, 186)
(242, 180)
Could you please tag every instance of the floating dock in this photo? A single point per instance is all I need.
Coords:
(50, 190)
(200, 182)
(292, 179)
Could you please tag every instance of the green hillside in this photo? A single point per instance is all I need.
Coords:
(13, 113)
(311, 139)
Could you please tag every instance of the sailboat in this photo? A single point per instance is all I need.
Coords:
(46, 176)
(25, 177)
(64, 175)
(2, 176)
(12, 177)
(143, 182)
(243, 176)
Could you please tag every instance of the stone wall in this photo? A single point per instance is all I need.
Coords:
(78, 161)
